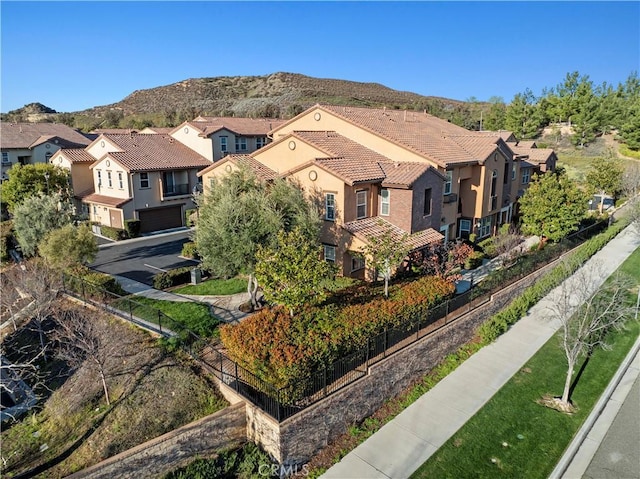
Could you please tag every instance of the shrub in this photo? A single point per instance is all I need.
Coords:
(82, 279)
(188, 217)
(189, 250)
(116, 234)
(6, 235)
(489, 247)
(171, 278)
(132, 228)
(474, 260)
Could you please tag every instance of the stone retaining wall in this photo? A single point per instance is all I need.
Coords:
(221, 430)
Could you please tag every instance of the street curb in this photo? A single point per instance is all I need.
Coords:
(572, 450)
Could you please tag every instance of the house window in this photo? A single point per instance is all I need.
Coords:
(99, 178)
(427, 202)
(144, 180)
(384, 202)
(261, 141)
(448, 184)
(95, 210)
(5, 157)
(241, 143)
(223, 144)
(329, 253)
(48, 156)
(109, 180)
(168, 182)
(505, 177)
(361, 204)
(513, 172)
(120, 181)
(330, 206)
(465, 228)
(357, 263)
(494, 185)
(485, 227)
(526, 175)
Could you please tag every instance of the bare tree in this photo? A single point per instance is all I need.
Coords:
(586, 317)
(85, 339)
(506, 244)
(631, 189)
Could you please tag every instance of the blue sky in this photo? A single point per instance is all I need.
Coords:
(75, 55)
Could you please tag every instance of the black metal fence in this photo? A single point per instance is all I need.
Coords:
(282, 403)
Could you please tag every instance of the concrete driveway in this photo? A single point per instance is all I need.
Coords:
(140, 259)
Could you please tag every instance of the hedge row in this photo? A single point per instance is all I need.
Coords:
(500, 322)
(131, 230)
(171, 278)
(283, 350)
(93, 283)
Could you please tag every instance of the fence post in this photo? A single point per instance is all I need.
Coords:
(366, 358)
(384, 344)
(324, 379)
(160, 320)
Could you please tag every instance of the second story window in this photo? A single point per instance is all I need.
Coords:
(448, 184)
(513, 172)
(120, 181)
(361, 204)
(329, 253)
(241, 143)
(5, 157)
(261, 141)
(223, 144)
(330, 206)
(526, 175)
(427, 202)
(384, 202)
(99, 173)
(109, 180)
(144, 180)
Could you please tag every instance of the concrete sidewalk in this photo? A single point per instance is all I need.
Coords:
(407, 441)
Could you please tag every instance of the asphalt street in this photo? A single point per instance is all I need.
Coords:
(142, 258)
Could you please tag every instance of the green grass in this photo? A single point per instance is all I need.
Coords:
(215, 287)
(193, 316)
(535, 436)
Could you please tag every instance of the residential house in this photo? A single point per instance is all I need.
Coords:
(30, 143)
(483, 174)
(150, 178)
(156, 130)
(361, 193)
(216, 137)
(78, 161)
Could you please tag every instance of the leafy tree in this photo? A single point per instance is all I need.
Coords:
(495, 118)
(587, 119)
(28, 180)
(630, 126)
(523, 116)
(38, 215)
(384, 252)
(605, 176)
(442, 259)
(69, 246)
(291, 271)
(552, 206)
(239, 213)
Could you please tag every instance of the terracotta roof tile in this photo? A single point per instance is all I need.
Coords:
(259, 169)
(208, 125)
(536, 156)
(76, 155)
(374, 227)
(27, 135)
(114, 131)
(105, 200)
(154, 153)
(403, 174)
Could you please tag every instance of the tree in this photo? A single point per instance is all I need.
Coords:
(552, 206)
(69, 246)
(239, 213)
(384, 252)
(84, 340)
(36, 216)
(523, 116)
(29, 180)
(605, 177)
(495, 118)
(630, 126)
(291, 271)
(442, 259)
(586, 318)
(587, 120)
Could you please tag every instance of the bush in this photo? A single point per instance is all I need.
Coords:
(474, 260)
(189, 250)
(132, 228)
(489, 247)
(6, 240)
(188, 220)
(116, 234)
(83, 279)
(171, 278)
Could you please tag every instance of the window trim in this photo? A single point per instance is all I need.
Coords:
(241, 143)
(329, 247)
(145, 179)
(328, 208)
(427, 212)
(513, 172)
(109, 180)
(448, 184)
(120, 180)
(526, 173)
(485, 224)
(357, 263)
(224, 144)
(384, 202)
(363, 194)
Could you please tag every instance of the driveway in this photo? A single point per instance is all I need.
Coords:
(140, 259)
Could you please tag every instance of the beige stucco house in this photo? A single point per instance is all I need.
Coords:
(216, 137)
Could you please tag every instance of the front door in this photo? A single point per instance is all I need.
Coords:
(115, 218)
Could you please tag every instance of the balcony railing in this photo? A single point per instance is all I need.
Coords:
(176, 190)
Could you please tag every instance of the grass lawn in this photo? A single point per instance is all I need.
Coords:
(193, 316)
(514, 436)
(215, 287)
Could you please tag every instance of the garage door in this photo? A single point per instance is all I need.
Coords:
(160, 219)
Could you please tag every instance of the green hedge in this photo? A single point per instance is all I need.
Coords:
(132, 228)
(116, 234)
(474, 260)
(6, 233)
(189, 250)
(92, 283)
(500, 322)
(171, 278)
(187, 217)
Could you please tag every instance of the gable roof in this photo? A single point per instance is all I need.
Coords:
(154, 153)
(29, 135)
(75, 155)
(375, 227)
(208, 125)
(536, 156)
(260, 170)
(105, 200)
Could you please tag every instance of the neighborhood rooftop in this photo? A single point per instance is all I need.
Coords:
(28, 135)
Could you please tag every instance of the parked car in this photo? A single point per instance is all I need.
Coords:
(607, 203)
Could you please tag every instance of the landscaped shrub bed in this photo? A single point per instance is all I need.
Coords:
(282, 350)
(172, 277)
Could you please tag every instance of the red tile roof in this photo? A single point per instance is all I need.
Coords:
(208, 125)
(404, 174)
(535, 156)
(105, 200)
(374, 227)
(260, 170)
(75, 155)
(154, 153)
(28, 135)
